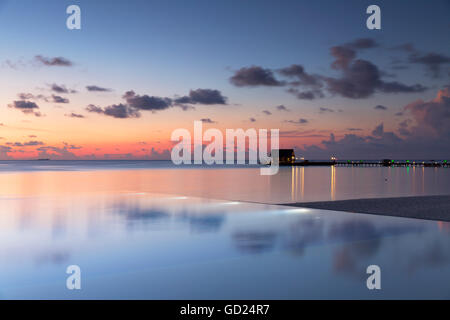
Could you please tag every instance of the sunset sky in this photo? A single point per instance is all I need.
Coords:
(137, 70)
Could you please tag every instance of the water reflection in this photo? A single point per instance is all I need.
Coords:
(291, 184)
(142, 245)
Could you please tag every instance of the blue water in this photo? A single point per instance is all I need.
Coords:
(148, 230)
(147, 246)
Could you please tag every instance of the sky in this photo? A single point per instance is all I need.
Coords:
(137, 70)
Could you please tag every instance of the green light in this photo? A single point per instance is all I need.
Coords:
(348, 161)
(392, 161)
(445, 161)
(407, 161)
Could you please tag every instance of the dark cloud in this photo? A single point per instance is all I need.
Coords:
(299, 121)
(252, 120)
(396, 87)
(361, 79)
(97, 89)
(425, 136)
(94, 109)
(302, 77)
(306, 95)
(120, 111)
(325, 110)
(74, 115)
(378, 131)
(55, 153)
(26, 107)
(282, 108)
(432, 61)
(54, 62)
(267, 112)
(59, 99)
(343, 56)
(30, 96)
(203, 96)
(207, 120)
(26, 144)
(146, 102)
(254, 76)
(380, 107)
(61, 89)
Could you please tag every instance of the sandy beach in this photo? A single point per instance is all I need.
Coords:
(422, 207)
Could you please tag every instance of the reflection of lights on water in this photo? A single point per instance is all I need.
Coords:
(178, 198)
(231, 203)
(297, 210)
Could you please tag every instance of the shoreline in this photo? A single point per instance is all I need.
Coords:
(417, 207)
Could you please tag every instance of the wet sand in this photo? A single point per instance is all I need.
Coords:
(426, 207)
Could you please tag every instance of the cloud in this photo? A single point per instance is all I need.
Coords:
(30, 96)
(433, 116)
(26, 144)
(267, 112)
(53, 62)
(26, 107)
(343, 56)
(59, 99)
(299, 121)
(425, 136)
(325, 110)
(354, 129)
(254, 76)
(74, 115)
(94, 88)
(358, 79)
(146, 102)
(4, 150)
(61, 89)
(379, 130)
(120, 111)
(302, 77)
(380, 107)
(203, 96)
(432, 61)
(252, 120)
(361, 79)
(362, 43)
(56, 153)
(282, 108)
(94, 109)
(306, 95)
(207, 120)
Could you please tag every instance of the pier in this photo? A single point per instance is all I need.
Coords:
(286, 157)
(370, 163)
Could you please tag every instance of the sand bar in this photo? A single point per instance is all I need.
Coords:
(422, 207)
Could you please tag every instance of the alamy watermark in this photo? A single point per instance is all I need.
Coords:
(235, 153)
(73, 282)
(374, 280)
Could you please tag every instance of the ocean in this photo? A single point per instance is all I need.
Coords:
(148, 230)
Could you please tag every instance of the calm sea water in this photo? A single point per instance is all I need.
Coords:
(291, 184)
(132, 240)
